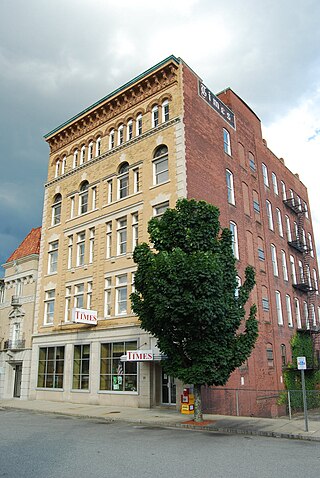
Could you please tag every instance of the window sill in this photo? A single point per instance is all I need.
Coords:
(122, 199)
(116, 392)
(74, 390)
(160, 184)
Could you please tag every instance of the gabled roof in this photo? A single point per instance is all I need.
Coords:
(29, 245)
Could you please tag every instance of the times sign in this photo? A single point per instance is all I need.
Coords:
(217, 105)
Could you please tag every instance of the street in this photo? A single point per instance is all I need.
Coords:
(52, 446)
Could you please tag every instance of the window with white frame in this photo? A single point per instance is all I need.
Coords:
(90, 151)
(83, 197)
(64, 165)
(279, 222)
(296, 231)
(98, 146)
(123, 181)
(289, 311)
(275, 183)
(89, 295)
(284, 266)
(120, 134)
(81, 244)
(136, 180)
(310, 245)
(283, 191)
(160, 209)
(226, 142)
(274, 260)
(165, 111)
(109, 240)
(279, 308)
(72, 206)
(297, 312)
(129, 130)
(313, 315)
(122, 236)
(110, 190)
(67, 310)
(160, 165)
(94, 197)
(265, 175)
(49, 306)
(2, 293)
(288, 228)
(293, 270)
(111, 139)
(79, 296)
(291, 194)
(53, 257)
(301, 272)
(230, 187)
(56, 210)
(75, 159)
(139, 125)
(308, 274)
(107, 297)
(135, 230)
(19, 288)
(82, 154)
(306, 210)
(121, 294)
(57, 168)
(269, 215)
(155, 116)
(315, 280)
(91, 245)
(70, 249)
(236, 291)
(234, 233)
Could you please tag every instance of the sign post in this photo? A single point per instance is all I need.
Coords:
(302, 365)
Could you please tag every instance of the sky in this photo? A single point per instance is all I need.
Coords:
(58, 57)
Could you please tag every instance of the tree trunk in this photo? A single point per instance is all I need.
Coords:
(197, 403)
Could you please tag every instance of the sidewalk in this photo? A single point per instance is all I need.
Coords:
(273, 427)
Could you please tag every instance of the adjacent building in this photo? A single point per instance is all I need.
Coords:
(161, 136)
(17, 301)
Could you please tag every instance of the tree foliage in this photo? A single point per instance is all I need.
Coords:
(185, 295)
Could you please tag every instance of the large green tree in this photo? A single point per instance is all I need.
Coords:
(186, 296)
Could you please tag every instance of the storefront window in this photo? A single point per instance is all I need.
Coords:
(116, 375)
(81, 362)
(51, 364)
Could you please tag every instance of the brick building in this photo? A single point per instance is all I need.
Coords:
(161, 136)
(17, 301)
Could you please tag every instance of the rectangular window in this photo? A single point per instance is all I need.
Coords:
(265, 303)
(81, 364)
(67, 310)
(279, 222)
(283, 190)
(79, 296)
(121, 294)
(91, 245)
(160, 209)
(230, 187)
(161, 170)
(135, 230)
(265, 175)
(51, 365)
(289, 311)
(279, 308)
(81, 237)
(288, 229)
(72, 202)
(136, 180)
(107, 297)
(70, 248)
(252, 163)
(310, 245)
(89, 295)
(109, 240)
(297, 312)
(256, 206)
(226, 142)
(306, 314)
(114, 374)
(269, 214)
(122, 235)
(284, 266)
(261, 255)
(275, 184)
(53, 257)
(110, 191)
(94, 197)
(235, 246)
(274, 260)
(293, 270)
(49, 306)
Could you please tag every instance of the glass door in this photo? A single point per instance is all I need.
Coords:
(168, 389)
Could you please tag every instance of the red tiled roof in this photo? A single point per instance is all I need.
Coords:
(29, 245)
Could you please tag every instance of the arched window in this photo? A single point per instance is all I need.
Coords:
(64, 164)
(139, 125)
(274, 260)
(160, 165)
(83, 197)
(90, 151)
(269, 350)
(283, 355)
(275, 184)
(123, 181)
(111, 139)
(83, 154)
(75, 159)
(265, 175)
(98, 146)
(120, 134)
(234, 232)
(226, 142)
(56, 209)
(155, 116)
(57, 168)
(165, 111)
(269, 214)
(230, 187)
(279, 221)
(129, 130)
(279, 308)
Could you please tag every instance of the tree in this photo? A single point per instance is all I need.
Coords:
(187, 296)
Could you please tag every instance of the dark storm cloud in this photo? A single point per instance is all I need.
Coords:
(57, 57)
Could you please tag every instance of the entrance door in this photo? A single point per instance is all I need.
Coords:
(168, 389)
(17, 381)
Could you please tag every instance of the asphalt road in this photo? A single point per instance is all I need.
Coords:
(36, 445)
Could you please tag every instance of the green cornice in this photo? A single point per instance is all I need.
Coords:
(113, 93)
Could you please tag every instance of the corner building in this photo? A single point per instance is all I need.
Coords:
(162, 136)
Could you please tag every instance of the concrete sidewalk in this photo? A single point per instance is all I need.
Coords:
(273, 427)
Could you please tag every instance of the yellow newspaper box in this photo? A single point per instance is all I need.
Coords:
(187, 402)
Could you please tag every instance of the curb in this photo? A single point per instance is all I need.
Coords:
(159, 424)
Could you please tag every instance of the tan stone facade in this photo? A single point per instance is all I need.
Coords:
(111, 168)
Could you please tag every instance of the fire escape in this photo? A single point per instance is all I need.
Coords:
(304, 281)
